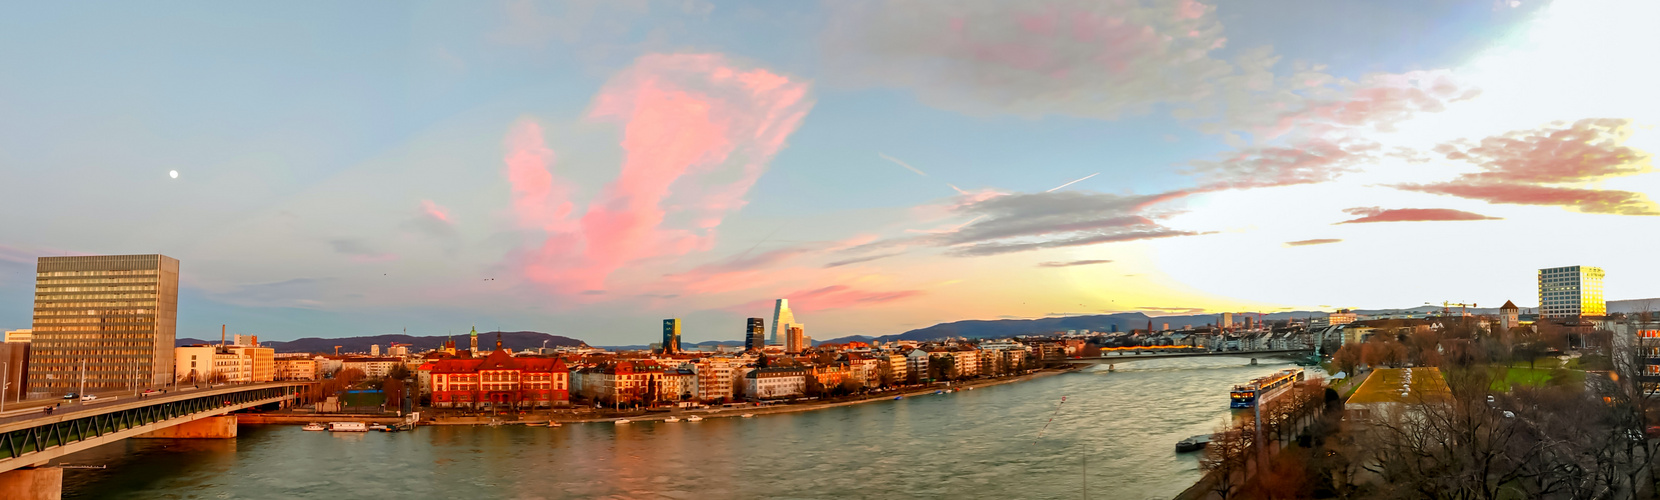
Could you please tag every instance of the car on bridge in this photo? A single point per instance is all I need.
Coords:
(70, 396)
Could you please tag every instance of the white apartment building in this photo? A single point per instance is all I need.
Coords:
(774, 383)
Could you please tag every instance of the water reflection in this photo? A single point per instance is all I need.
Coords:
(980, 443)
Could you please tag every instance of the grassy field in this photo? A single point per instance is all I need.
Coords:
(1546, 371)
(363, 399)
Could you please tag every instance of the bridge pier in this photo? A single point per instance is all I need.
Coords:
(30, 483)
(219, 427)
(1253, 361)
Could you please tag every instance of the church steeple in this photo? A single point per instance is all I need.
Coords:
(472, 349)
(498, 340)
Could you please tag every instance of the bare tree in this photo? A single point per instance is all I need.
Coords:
(1226, 457)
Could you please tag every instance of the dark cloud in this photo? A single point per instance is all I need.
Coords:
(1072, 263)
(857, 260)
(1033, 221)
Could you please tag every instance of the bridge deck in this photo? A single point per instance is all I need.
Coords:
(36, 437)
(1121, 356)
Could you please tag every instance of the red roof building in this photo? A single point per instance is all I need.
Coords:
(498, 380)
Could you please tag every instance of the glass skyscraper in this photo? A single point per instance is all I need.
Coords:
(113, 314)
(1571, 292)
(755, 334)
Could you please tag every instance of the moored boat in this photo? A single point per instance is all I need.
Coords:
(314, 426)
(694, 418)
(672, 419)
(621, 421)
(1194, 443)
(348, 427)
(747, 415)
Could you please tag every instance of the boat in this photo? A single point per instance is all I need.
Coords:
(314, 426)
(694, 418)
(1194, 443)
(377, 427)
(554, 424)
(348, 427)
(672, 419)
(747, 415)
(896, 398)
(621, 421)
(1261, 389)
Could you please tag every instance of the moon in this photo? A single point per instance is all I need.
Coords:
(173, 173)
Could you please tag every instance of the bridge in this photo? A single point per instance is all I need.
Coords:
(1125, 356)
(31, 438)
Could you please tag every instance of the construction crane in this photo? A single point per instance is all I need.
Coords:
(1446, 307)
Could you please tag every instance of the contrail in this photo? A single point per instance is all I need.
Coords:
(1073, 182)
(902, 164)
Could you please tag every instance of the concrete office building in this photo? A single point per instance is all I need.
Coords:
(755, 334)
(114, 314)
(1571, 292)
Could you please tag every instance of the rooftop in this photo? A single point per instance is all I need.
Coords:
(1384, 386)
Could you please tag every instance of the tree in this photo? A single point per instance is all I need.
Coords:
(1226, 457)
(398, 371)
(1347, 358)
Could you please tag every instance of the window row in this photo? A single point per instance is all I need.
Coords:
(95, 312)
(139, 272)
(112, 288)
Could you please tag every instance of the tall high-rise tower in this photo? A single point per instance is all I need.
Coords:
(1571, 292)
(755, 334)
(114, 315)
(671, 336)
(782, 318)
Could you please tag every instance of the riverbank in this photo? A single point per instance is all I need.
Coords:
(752, 410)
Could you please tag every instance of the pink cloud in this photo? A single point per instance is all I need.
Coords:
(435, 210)
(1318, 241)
(1305, 162)
(1375, 214)
(1520, 167)
(830, 297)
(1584, 200)
(1585, 150)
(697, 131)
(1377, 102)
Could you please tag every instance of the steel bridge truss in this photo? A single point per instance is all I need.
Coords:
(20, 442)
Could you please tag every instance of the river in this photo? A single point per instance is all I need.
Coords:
(1116, 431)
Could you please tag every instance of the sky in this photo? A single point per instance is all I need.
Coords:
(588, 168)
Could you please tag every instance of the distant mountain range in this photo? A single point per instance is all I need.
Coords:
(973, 329)
(510, 340)
(1127, 321)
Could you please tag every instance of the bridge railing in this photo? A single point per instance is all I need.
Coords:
(67, 429)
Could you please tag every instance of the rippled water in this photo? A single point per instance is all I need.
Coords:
(971, 444)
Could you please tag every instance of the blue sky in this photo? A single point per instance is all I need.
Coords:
(343, 166)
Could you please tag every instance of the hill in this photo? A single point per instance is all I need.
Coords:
(510, 340)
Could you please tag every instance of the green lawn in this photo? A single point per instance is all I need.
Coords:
(1546, 372)
(363, 399)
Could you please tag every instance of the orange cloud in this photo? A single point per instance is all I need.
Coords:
(1319, 241)
(1375, 214)
(1518, 167)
